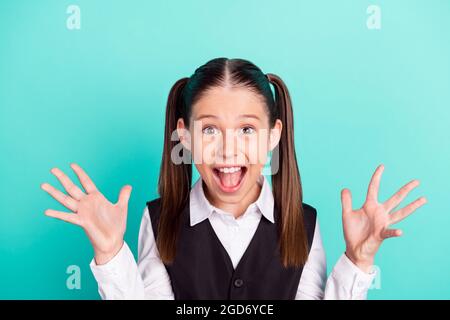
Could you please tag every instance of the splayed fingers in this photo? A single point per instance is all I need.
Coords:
(70, 187)
(66, 200)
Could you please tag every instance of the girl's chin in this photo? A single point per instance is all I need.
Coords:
(228, 185)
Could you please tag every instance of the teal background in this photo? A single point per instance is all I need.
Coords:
(96, 96)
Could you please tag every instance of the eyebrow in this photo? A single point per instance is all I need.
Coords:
(254, 116)
(205, 116)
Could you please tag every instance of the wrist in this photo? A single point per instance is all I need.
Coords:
(363, 263)
(103, 257)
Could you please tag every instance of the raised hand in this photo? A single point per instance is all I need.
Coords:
(103, 221)
(367, 227)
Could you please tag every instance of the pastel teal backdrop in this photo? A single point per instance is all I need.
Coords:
(96, 96)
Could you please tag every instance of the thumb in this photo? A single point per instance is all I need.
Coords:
(346, 199)
(124, 196)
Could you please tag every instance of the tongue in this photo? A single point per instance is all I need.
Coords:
(230, 179)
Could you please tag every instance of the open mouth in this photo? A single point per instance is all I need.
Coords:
(229, 178)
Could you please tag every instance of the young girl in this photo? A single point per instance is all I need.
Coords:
(231, 235)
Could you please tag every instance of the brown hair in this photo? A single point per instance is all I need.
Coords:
(175, 179)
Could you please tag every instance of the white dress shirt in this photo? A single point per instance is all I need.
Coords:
(123, 278)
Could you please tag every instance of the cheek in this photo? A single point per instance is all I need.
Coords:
(204, 150)
(256, 149)
(203, 170)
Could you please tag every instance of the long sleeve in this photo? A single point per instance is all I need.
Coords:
(346, 281)
(123, 278)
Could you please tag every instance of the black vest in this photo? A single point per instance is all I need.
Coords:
(202, 268)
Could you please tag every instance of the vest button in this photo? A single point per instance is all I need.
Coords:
(238, 283)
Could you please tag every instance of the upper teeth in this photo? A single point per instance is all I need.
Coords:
(229, 169)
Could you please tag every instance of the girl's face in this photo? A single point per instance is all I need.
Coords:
(229, 137)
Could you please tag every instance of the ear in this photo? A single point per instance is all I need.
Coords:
(275, 134)
(184, 134)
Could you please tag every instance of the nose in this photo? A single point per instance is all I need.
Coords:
(228, 146)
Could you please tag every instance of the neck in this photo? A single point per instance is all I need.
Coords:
(235, 208)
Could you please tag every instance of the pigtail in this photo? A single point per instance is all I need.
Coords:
(286, 183)
(174, 179)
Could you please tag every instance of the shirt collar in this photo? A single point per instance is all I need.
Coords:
(201, 208)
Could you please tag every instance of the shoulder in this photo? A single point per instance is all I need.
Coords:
(154, 202)
(309, 211)
(154, 208)
(310, 219)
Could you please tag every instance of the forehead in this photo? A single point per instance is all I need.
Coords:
(229, 103)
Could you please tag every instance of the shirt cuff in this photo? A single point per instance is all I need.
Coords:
(353, 279)
(114, 267)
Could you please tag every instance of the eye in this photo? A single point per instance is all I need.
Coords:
(247, 130)
(210, 130)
